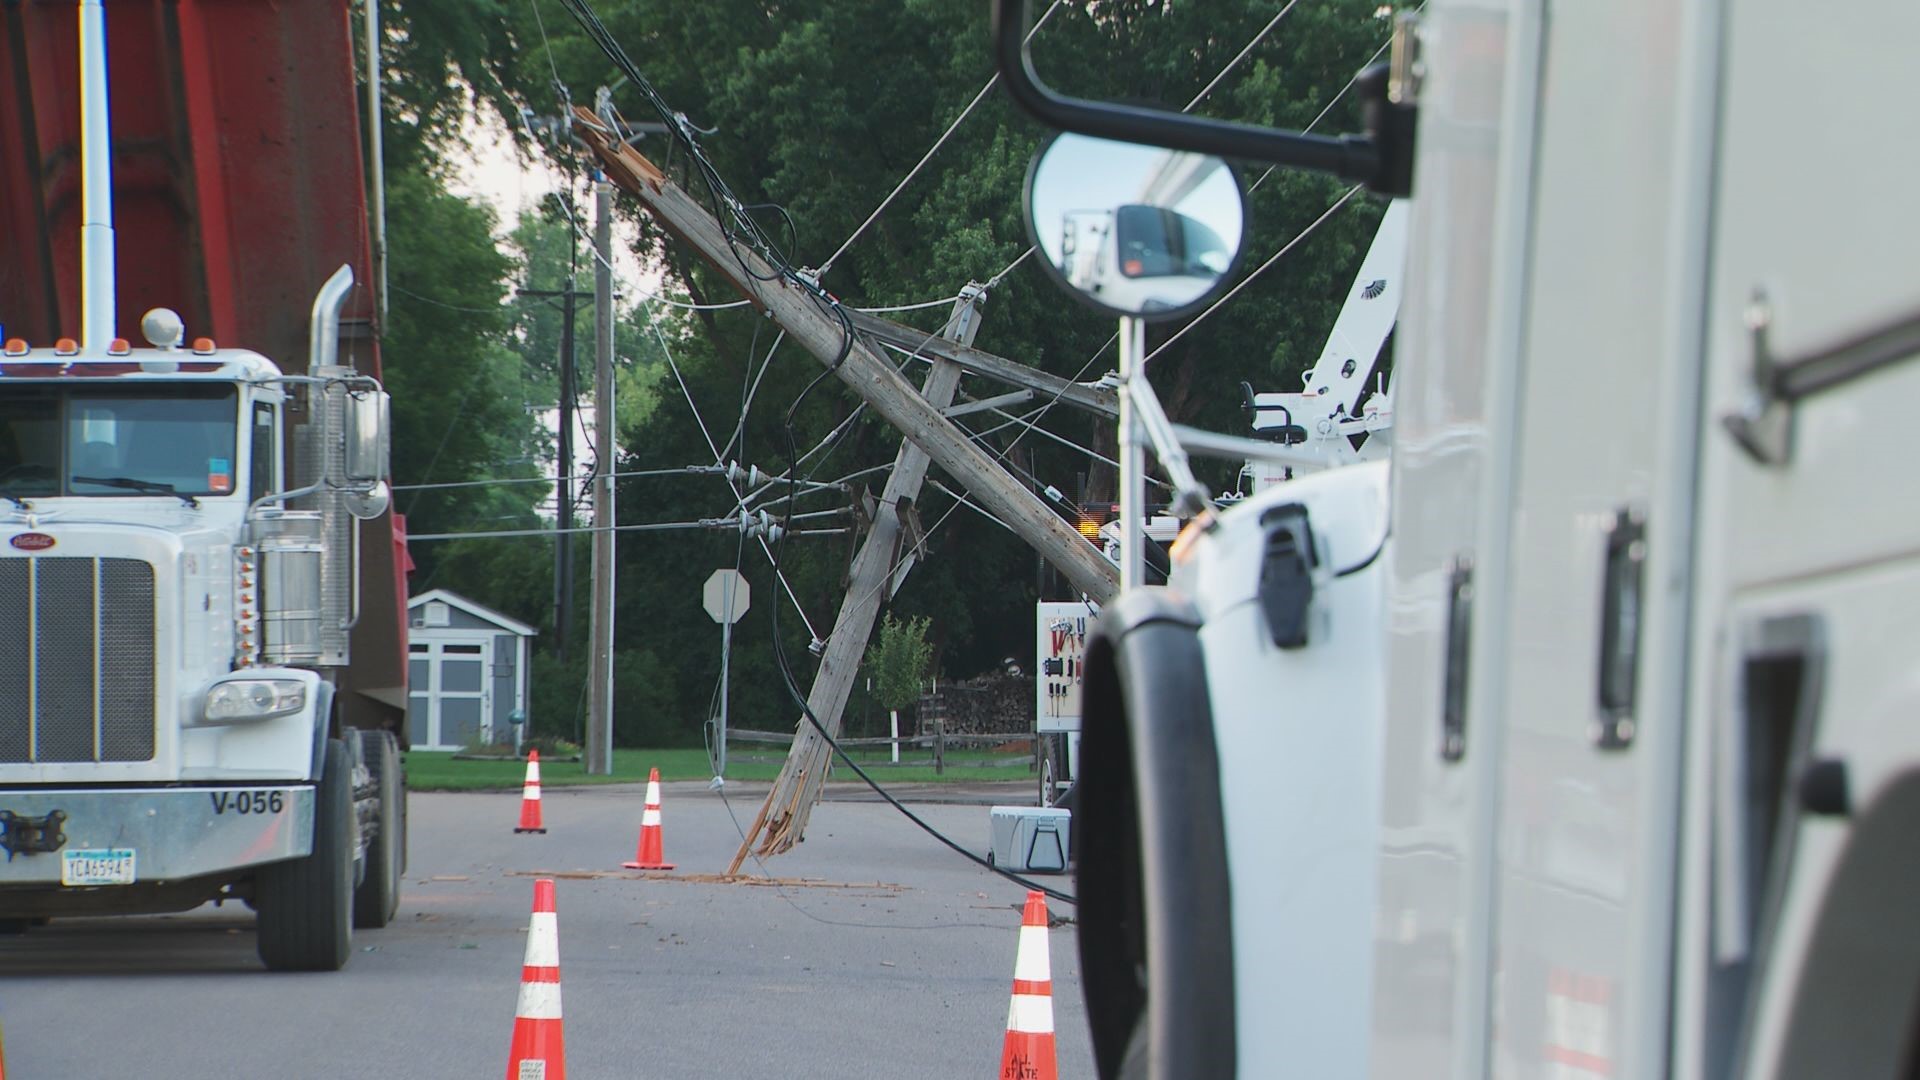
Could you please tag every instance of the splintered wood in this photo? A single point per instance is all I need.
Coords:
(710, 879)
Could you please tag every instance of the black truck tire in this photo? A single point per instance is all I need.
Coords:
(306, 905)
(378, 897)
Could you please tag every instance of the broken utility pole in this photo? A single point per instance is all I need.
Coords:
(862, 369)
(783, 817)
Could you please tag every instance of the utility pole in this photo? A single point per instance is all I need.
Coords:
(864, 371)
(870, 582)
(569, 297)
(599, 748)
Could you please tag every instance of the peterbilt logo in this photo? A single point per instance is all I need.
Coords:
(33, 541)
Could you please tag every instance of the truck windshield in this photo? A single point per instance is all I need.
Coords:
(1155, 242)
(119, 440)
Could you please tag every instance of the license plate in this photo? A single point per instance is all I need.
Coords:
(97, 866)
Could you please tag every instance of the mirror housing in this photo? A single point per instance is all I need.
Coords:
(1381, 159)
(368, 436)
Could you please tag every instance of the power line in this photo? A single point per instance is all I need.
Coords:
(688, 470)
(657, 526)
(922, 305)
(1231, 64)
(934, 149)
(1335, 100)
(748, 391)
(442, 303)
(1248, 280)
(738, 500)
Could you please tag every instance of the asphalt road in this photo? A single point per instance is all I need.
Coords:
(878, 954)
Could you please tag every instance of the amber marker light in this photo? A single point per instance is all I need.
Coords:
(1182, 548)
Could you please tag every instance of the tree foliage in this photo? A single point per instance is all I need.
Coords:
(818, 108)
(899, 661)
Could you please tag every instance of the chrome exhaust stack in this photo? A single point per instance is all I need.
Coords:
(96, 192)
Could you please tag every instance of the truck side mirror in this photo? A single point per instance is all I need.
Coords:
(368, 441)
(1136, 231)
(368, 448)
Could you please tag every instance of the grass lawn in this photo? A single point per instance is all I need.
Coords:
(435, 770)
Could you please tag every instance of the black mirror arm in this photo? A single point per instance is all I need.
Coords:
(1357, 158)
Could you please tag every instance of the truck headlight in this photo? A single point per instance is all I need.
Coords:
(238, 700)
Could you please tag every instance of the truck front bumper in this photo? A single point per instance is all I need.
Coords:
(170, 833)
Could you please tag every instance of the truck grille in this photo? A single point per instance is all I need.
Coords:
(76, 660)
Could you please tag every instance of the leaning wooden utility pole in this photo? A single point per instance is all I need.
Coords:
(599, 748)
(783, 818)
(863, 370)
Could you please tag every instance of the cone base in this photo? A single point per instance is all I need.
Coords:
(647, 865)
(1028, 1056)
(540, 831)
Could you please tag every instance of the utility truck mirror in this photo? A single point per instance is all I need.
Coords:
(367, 440)
(1136, 231)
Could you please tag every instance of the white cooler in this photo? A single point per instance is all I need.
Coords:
(1029, 838)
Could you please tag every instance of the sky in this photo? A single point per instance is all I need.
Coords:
(499, 176)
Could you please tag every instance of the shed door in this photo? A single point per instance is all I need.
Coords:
(462, 703)
(450, 702)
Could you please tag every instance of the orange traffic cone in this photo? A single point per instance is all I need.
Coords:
(539, 1051)
(650, 856)
(1028, 1052)
(530, 797)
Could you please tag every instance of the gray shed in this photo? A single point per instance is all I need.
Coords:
(467, 669)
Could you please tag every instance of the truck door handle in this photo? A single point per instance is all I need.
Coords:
(1621, 615)
(1453, 691)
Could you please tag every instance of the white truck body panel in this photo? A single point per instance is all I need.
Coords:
(1299, 786)
(1454, 385)
(1814, 159)
(1551, 905)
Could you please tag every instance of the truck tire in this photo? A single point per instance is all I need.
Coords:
(306, 905)
(378, 897)
(1156, 953)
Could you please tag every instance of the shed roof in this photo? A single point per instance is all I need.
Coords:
(477, 610)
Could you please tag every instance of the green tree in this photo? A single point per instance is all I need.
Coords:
(899, 661)
(819, 107)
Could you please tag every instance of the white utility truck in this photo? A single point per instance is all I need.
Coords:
(175, 615)
(1578, 740)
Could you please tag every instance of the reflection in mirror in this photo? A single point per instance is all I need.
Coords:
(1137, 230)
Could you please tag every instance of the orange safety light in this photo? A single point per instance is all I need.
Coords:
(202, 346)
(16, 346)
(118, 347)
(66, 346)
(1092, 517)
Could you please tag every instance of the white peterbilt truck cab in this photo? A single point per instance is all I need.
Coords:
(172, 610)
(178, 579)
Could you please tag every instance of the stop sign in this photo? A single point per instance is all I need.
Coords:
(726, 596)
